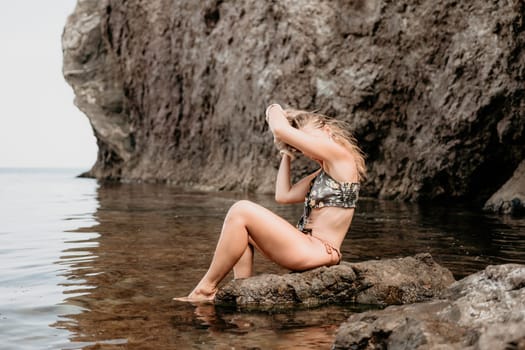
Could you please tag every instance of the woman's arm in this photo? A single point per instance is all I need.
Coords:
(285, 193)
(314, 147)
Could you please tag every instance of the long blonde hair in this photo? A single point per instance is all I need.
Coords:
(339, 132)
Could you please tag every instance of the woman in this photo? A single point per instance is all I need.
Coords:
(329, 194)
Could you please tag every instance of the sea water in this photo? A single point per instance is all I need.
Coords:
(85, 265)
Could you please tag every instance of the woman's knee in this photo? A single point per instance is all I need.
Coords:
(237, 212)
(240, 209)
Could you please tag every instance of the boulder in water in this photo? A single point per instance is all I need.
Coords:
(485, 310)
(379, 282)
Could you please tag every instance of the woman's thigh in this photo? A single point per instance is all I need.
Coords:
(279, 240)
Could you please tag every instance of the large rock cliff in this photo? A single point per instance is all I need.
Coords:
(176, 90)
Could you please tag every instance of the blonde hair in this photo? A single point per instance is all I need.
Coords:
(339, 132)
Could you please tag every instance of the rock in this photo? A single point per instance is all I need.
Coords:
(91, 69)
(380, 282)
(176, 90)
(485, 310)
(510, 199)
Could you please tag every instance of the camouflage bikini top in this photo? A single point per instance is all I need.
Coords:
(327, 192)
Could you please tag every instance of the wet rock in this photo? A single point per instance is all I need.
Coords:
(176, 90)
(510, 199)
(379, 282)
(485, 310)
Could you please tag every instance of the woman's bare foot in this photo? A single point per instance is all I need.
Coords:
(199, 295)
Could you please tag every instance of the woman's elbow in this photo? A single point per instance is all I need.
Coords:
(279, 198)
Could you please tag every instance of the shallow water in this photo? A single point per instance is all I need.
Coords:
(94, 266)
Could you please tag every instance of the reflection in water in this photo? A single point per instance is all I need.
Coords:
(305, 329)
(463, 240)
(153, 242)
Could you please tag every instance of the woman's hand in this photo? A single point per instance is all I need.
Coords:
(276, 117)
(267, 112)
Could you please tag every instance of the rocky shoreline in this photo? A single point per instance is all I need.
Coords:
(433, 90)
(429, 310)
(485, 310)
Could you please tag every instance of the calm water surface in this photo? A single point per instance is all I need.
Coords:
(88, 266)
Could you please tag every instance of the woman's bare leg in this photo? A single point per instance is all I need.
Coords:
(244, 267)
(275, 238)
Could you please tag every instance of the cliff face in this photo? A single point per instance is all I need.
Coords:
(176, 91)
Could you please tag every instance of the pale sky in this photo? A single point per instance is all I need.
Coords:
(39, 124)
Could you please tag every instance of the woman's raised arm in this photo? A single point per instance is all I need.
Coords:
(285, 193)
(314, 147)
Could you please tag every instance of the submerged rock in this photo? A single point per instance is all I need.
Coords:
(485, 310)
(379, 282)
(176, 90)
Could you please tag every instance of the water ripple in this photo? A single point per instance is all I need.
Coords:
(85, 266)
